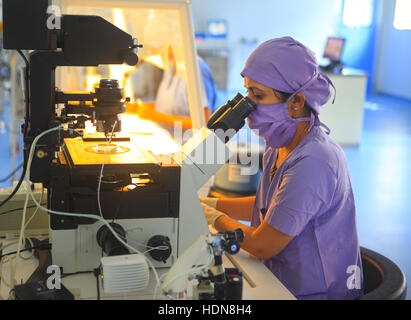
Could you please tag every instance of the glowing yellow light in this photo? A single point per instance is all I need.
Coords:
(92, 79)
(118, 18)
(147, 135)
(155, 60)
(142, 133)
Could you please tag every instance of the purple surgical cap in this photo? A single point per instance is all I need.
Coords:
(286, 65)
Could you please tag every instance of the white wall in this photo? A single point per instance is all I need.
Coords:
(393, 66)
(308, 21)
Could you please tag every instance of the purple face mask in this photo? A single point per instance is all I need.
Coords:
(273, 123)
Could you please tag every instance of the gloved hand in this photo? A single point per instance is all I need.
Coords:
(211, 214)
(211, 202)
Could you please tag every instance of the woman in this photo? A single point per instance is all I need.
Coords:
(171, 106)
(303, 215)
(161, 37)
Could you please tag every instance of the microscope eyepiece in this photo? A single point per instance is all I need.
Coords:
(230, 117)
(108, 83)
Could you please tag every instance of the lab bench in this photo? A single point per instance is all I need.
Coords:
(258, 281)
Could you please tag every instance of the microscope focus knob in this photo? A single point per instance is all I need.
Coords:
(232, 247)
(131, 58)
(160, 248)
(109, 243)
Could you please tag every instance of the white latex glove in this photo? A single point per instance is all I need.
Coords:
(211, 202)
(211, 214)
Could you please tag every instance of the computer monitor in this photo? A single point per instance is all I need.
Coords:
(217, 28)
(334, 48)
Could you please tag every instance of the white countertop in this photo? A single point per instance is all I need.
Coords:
(258, 283)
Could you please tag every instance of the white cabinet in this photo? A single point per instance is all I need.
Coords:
(345, 116)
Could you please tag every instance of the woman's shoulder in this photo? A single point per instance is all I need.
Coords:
(320, 150)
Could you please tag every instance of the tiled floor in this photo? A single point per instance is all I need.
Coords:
(381, 177)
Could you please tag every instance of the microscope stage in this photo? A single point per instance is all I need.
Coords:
(81, 153)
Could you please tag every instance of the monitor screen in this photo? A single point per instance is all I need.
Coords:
(217, 28)
(334, 48)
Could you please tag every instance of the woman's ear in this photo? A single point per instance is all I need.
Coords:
(296, 106)
(298, 101)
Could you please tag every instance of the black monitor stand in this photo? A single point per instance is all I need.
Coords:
(333, 66)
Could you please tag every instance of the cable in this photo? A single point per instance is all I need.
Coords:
(21, 236)
(102, 168)
(91, 216)
(32, 251)
(39, 247)
(155, 288)
(23, 56)
(157, 248)
(26, 225)
(12, 173)
(2, 247)
(65, 275)
(95, 217)
(142, 244)
(11, 260)
(96, 273)
(31, 218)
(16, 188)
(19, 209)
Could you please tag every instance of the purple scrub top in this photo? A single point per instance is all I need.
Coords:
(310, 198)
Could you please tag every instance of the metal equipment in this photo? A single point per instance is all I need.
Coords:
(218, 283)
(81, 41)
(151, 200)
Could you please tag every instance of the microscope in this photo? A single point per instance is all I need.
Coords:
(151, 200)
(81, 41)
